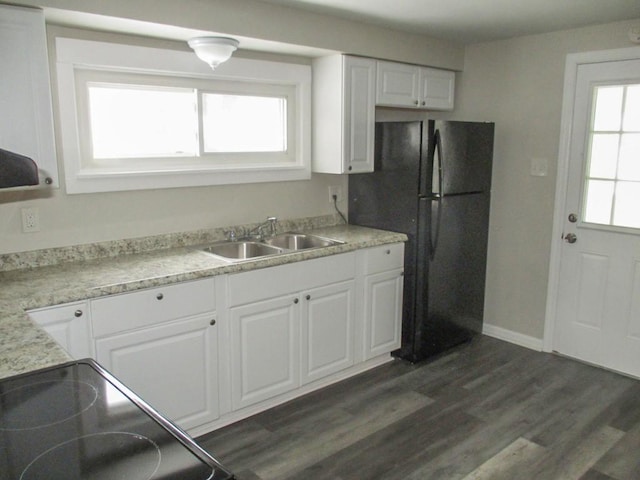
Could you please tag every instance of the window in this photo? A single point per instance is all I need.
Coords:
(135, 118)
(612, 184)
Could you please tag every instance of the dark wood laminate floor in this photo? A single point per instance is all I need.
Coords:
(486, 410)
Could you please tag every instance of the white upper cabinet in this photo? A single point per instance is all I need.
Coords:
(343, 114)
(26, 122)
(404, 85)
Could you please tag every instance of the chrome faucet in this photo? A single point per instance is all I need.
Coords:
(271, 222)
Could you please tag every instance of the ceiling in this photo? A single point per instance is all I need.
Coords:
(474, 21)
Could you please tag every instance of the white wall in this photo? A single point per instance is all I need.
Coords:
(518, 84)
(78, 219)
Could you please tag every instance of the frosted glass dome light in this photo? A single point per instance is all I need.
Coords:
(214, 50)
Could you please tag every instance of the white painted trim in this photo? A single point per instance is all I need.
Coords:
(573, 61)
(512, 337)
(74, 54)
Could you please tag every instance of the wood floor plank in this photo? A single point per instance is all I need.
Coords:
(509, 462)
(622, 461)
(485, 410)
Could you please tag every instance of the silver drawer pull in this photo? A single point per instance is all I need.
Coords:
(77, 313)
(160, 296)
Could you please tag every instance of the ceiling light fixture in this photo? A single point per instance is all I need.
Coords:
(214, 50)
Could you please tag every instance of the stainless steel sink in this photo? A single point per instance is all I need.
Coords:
(242, 250)
(300, 241)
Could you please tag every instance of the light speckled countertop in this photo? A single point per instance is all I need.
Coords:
(24, 346)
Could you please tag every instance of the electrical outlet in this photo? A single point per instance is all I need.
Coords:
(30, 220)
(335, 190)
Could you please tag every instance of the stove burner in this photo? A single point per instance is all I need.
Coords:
(43, 404)
(99, 456)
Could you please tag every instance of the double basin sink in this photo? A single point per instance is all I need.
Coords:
(240, 250)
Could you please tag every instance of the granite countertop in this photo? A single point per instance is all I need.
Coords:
(24, 346)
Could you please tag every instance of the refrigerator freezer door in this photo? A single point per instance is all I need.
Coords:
(387, 198)
(466, 156)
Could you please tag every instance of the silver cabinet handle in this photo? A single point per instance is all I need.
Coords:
(78, 313)
(160, 296)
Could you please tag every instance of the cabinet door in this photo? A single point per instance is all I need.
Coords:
(397, 84)
(173, 366)
(436, 89)
(327, 330)
(26, 123)
(265, 340)
(383, 313)
(359, 114)
(69, 325)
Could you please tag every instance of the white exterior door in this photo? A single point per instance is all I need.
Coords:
(596, 315)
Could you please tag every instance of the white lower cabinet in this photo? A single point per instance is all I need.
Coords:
(290, 325)
(383, 313)
(69, 325)
(265, 350)
(163, 344)
(327, 330)
(383, 278)
(201, 352)
(172, 366)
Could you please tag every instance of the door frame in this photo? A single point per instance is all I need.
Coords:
(573, 61)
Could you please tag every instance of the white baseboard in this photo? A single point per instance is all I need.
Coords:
(513, 337)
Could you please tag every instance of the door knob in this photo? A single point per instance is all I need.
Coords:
(570, 238)
(573, 218)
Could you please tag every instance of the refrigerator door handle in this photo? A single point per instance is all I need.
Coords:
(434, 233)
(434, 230)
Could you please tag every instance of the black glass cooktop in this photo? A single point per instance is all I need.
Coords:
(76, 421)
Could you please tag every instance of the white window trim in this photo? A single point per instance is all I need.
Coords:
(75, 54)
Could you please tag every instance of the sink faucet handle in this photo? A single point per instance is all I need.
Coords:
(231, 235)
(273, 222)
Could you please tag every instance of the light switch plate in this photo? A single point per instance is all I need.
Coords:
(539, 166)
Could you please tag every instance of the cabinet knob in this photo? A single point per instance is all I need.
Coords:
(308, 297)
(160, 296)
(416, 102)
(424, 103)
(295, 300)
(212, 322)
(388, 252)
(350, 168)
(48, 180)
(77, 313)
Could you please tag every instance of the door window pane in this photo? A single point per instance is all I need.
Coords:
(631, 121)
(599, 202)
(129, 121)
(629, 164)
(627, 211)
(604, 153)
(608, 108)
(612, 183)
(244, 123)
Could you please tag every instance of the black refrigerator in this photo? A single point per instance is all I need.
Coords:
(432, 181)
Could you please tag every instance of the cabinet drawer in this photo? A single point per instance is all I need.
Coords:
(128, 311)
(383, 258)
